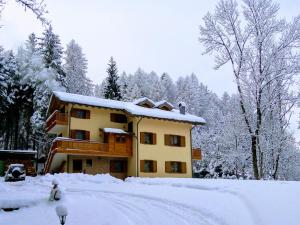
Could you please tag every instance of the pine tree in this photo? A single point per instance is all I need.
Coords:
(4, 78)
(76, 68)
(51, 50)
(112, 89)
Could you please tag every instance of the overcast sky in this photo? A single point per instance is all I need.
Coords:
(158, 35)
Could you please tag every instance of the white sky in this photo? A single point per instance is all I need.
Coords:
(152, 34)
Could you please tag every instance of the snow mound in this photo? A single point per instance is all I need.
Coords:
(65, 178)
(20, 200)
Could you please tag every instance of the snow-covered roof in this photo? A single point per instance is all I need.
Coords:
(16, 164)
(144, 100)
(128, 107)
(114, 130)
(164, 103)
(18, 151)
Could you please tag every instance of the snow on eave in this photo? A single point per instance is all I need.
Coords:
(129, 108)
(11, 151)
(114, 130)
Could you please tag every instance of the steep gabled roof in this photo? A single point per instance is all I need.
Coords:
(127, 107)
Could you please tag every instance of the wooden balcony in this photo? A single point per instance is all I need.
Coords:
(69, 146)
(83, 147)
(56, 122)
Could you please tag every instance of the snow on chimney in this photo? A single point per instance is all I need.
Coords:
(182, 107)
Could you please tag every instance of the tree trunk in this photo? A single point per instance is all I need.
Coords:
(276, 167)
(254, 157)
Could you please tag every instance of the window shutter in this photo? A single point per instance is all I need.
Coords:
(112, 166)
(112, 117)
(87, 135)
(183, 167)
(73, 112)
(168, 167)
(154, 166)
(167, 139)
(73, 134)
(142, 165)
(182, 141)
(142, 137)
(87, 114)
(124, 167)
(154, 139)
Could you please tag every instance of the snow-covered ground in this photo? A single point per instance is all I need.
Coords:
(103, 200)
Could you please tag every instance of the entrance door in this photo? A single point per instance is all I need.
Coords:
(77, 165)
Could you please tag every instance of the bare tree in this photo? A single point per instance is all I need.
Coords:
(264, 54)
(38, 7)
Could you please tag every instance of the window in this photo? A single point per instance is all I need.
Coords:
(118, 166)
(118, 118)
(77, 165)
(174, 140)
(80, 134)
(148, 166)
(80, 113)
(175, 167)
(120, 139)
(148, 138)
(89, 163)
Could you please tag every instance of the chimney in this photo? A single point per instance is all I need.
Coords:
(182, 107)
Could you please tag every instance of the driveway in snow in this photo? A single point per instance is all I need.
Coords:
(103, 200)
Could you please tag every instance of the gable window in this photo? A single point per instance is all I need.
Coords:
(120, 139)
(147, 138)
(175, 167)
(148, 166)
(174, 140)
(118, 118)
(89, 163)
(80, 113)
(118, 166)
(80, 134)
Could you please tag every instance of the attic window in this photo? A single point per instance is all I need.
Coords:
(144, 102)
(146, 105)
(164, 105)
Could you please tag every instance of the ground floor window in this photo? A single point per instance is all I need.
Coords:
(89, 163)
(175, 167)
(118, 166)
(148, 166)
(77, 165)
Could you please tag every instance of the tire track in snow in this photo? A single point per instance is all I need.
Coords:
(182, 212)
(248, 205)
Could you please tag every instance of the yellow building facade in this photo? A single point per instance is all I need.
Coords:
(141, 138)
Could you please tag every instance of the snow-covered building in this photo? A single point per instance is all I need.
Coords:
(140, 138)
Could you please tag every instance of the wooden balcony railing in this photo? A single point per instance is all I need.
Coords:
(89, 148)
(72, 146)
(56, 118)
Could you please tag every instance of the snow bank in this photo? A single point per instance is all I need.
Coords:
(147, 201)
(66, 178)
